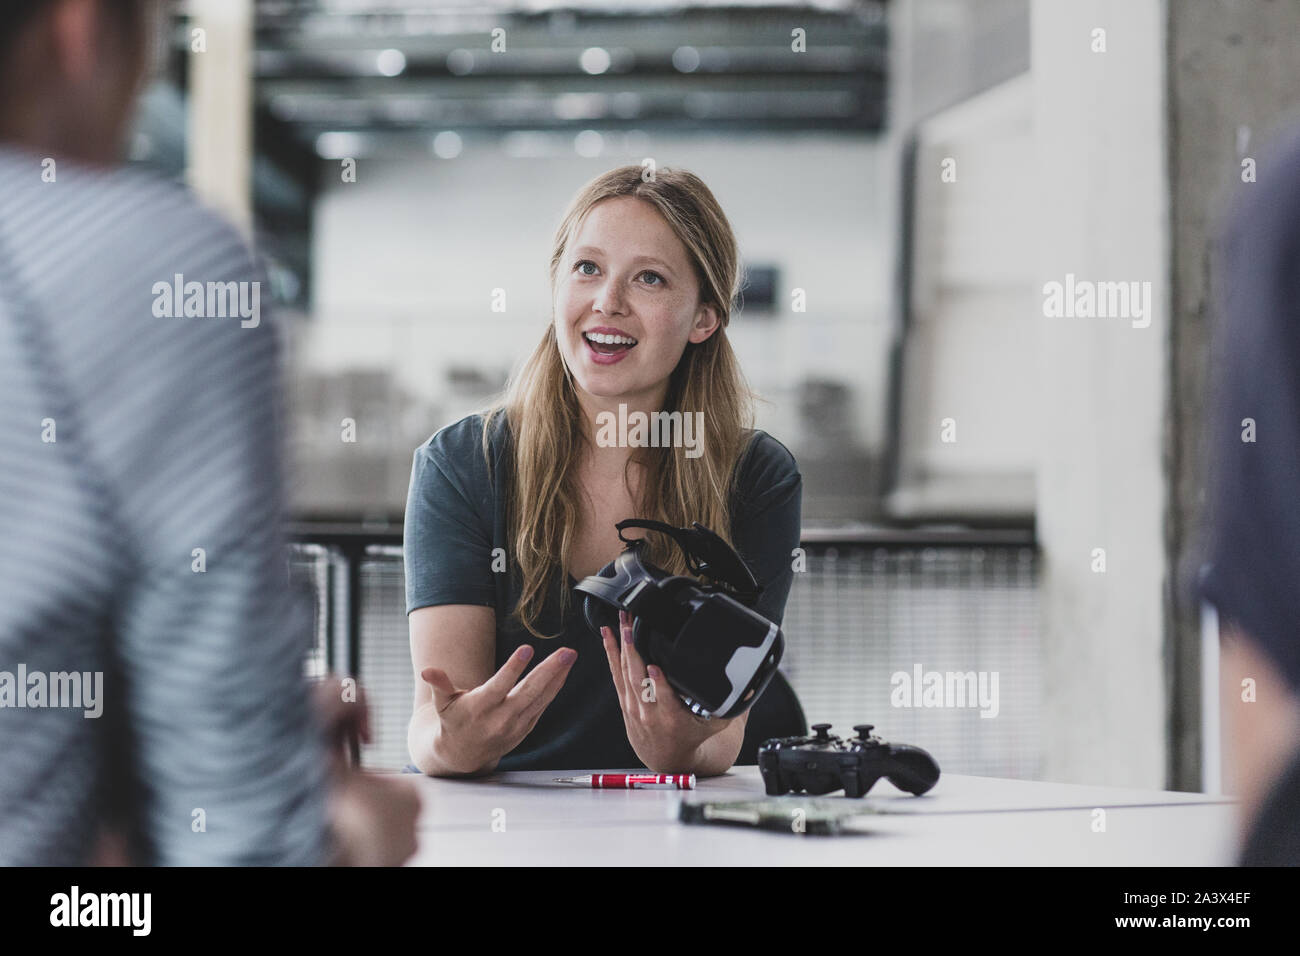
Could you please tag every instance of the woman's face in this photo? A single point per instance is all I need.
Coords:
(627, 280)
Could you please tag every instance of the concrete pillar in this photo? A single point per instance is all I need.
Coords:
(1232, 87)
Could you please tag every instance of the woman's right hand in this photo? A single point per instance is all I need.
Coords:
(479, 726)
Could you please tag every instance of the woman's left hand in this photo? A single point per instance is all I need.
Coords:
(660, 728)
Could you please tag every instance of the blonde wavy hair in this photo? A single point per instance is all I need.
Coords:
(547, 428)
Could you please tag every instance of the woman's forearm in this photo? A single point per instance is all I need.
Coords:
(714, 755)
(718, 753)
(428, 747)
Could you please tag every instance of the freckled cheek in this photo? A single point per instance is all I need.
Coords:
(670, 320)
(568, 309)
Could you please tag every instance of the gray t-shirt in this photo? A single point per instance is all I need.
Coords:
(455, 518)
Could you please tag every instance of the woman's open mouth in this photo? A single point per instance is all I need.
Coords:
(607, 347)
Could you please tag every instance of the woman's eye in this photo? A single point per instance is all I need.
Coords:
(585, 262)
(659, 280)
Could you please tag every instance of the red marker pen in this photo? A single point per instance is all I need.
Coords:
(633, 781)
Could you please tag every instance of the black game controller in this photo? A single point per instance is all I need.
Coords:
(823, 763)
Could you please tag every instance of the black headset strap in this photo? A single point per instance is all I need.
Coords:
(651, 525)
(745, 588)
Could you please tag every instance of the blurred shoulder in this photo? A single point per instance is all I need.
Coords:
(1278, 184)
(129, 270)
(119, 213)
(1260, 230)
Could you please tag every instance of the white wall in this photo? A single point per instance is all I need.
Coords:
(972, 335)
(406, 259)
(1102, 198)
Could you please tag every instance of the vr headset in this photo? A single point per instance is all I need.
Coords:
(715, 651)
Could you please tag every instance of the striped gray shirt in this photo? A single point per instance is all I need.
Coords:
(128, 440)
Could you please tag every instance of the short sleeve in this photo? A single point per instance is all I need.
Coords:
(1253, 563)
(447, 542)
(767, 522)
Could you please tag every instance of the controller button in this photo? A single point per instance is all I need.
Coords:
(822, 731)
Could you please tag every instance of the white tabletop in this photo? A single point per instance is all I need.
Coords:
(525, 819)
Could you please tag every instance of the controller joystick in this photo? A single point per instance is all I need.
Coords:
(824, 763)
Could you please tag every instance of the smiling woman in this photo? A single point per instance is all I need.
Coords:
(650, 261)
(506, 508)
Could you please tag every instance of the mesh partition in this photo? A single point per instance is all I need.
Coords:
(385, 658)
(858, 617)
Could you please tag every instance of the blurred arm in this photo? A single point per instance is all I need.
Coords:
(1259, 736)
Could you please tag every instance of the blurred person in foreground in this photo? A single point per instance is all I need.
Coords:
(1253, 572)
(152, 704)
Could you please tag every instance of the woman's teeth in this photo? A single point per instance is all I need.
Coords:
(607, 344)
(601, 338)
